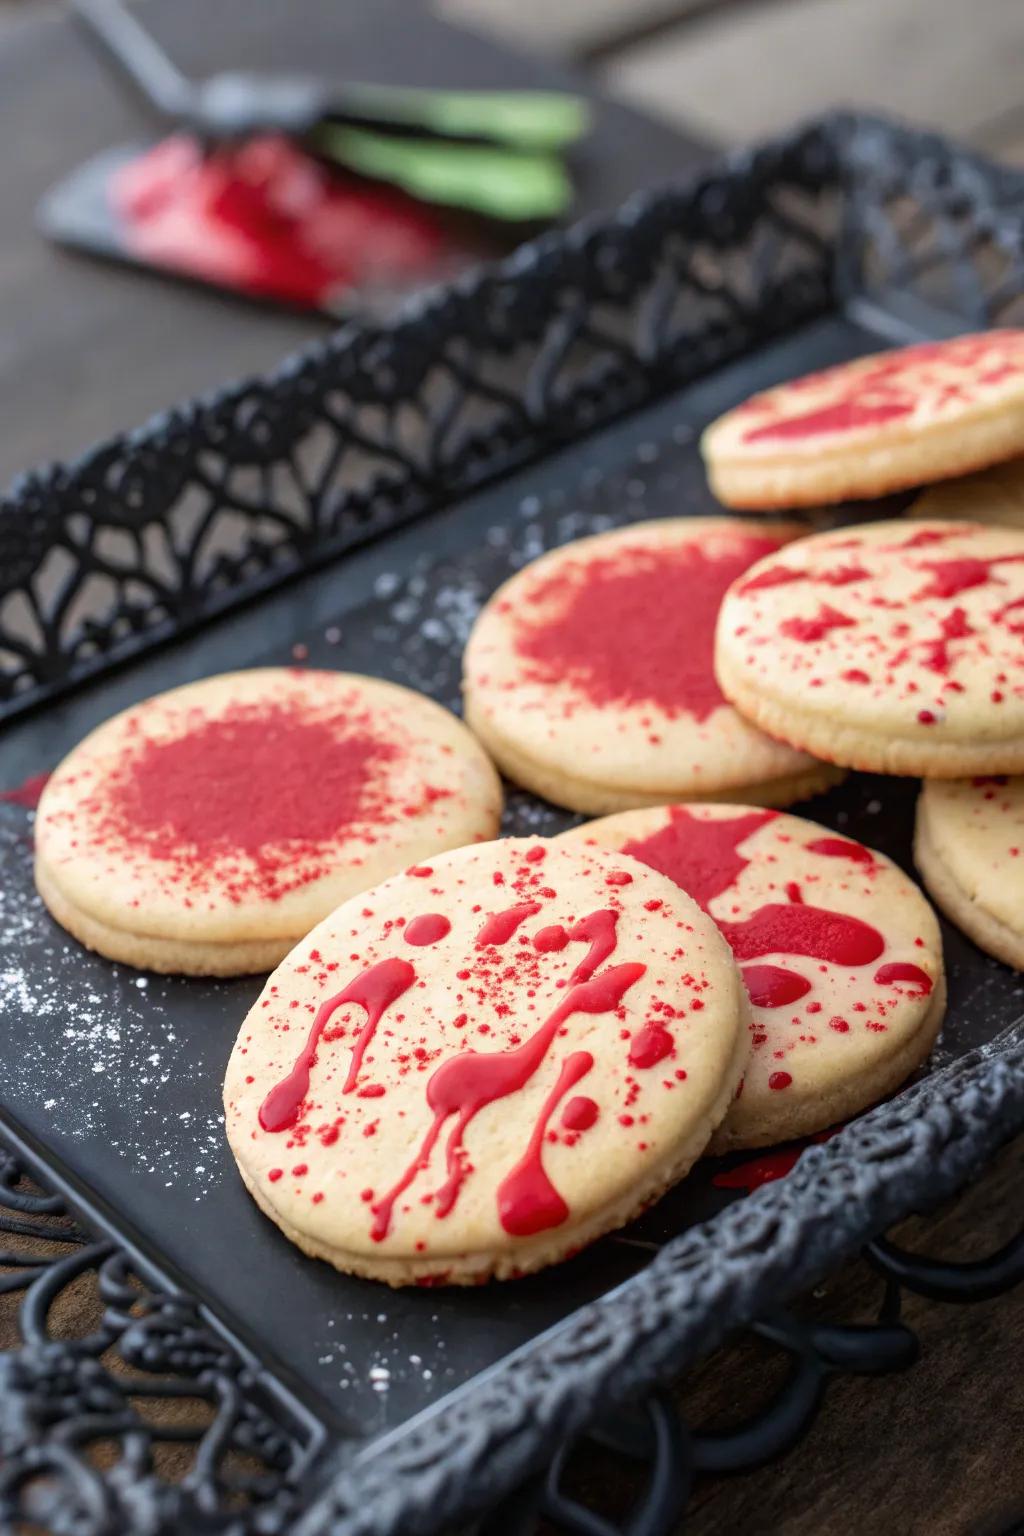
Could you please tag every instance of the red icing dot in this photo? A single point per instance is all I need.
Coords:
(548, 940)
(579, 1114)
(618, 877)
(772, 986)
(427, 929)
(651, 1044)
(535, 854)
(839, 848)
(898, 970)
(926, 717)
(275, 1174)
(779, 1080)
(816, 628)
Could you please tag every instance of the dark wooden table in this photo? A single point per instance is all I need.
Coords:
(86, 350)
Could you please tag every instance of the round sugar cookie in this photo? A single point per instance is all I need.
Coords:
(993, 495)
(876, 425)
(969, 847)
(839, 951)
(588, 676)
(206, 829)
(896, 647)
(485, 1063)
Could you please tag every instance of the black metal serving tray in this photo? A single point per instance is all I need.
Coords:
(467, 432)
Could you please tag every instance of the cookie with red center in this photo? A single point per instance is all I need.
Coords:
(588, 676)
(896, 647)
(993, 495)
(485, 1063)
(876, 425)
(840, 953)
(207, 829)
(969, 847)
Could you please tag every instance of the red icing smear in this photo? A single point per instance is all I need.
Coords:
(765, 1168)
(374, 989)
(699, 854)
(265, 218)
(902, 970)
(500, 926)
(27, 794)
(951, 577)
(528, 1202)
(262, 783)
(427, 929)
(890, 387)
(784, 575)
(650, 1045)
(799, 930)
(772, 986)
(637, 627)
(467, 1083)
(817, 627)
(839, 848)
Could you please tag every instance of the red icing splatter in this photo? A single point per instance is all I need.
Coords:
(27, 794)
(549, 940)
(839, 848)
(899, 970)
(637, 627)
(250, 797)
(951, 577)
(651, 1044)
(699, 854)
(817, 627)
(772, 986)
(465, 1084)
(427, 929)
(842, 416)
(888, 388)
(528, 1202)
(779, 1080)
(374, 990)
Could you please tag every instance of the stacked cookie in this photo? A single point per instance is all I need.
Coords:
(477, 1055)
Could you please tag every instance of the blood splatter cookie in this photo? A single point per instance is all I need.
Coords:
(897, 646)
(969, 847)
(840, 953)
(485, 1063)
(879, 424)
(589, 678)
(207, 829)
(994, 495)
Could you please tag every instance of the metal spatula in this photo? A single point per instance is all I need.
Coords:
(238, 104)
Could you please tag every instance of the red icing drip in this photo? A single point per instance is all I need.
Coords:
(528, 1202)
(772, 986)
(638, 627)
(265, 218)
(822, 623)
(500, 926)
(580, 1114)
(799, 930)
(27, 794)
(839, 848)
(374, 990)
(427, 929)
(901, 970)
(650, 1045)
(467, 1083)
(772, 576)
(263, 783)
(699, 854)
